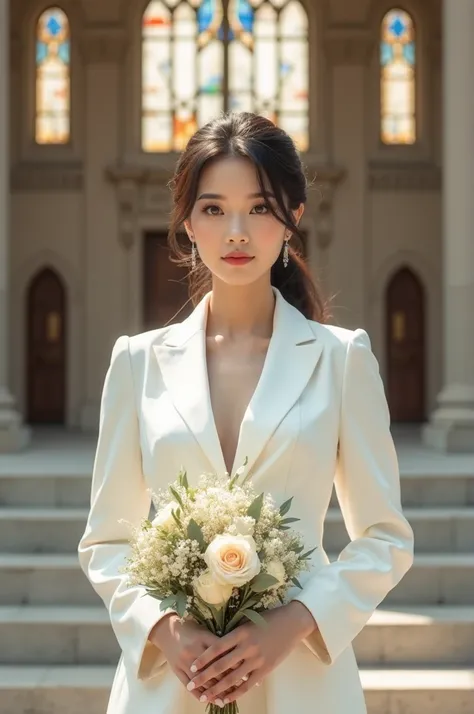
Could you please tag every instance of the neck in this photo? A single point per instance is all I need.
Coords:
(238, 311)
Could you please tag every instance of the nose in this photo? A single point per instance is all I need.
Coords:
(237, 232)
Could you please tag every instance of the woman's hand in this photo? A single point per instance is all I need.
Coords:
(250, 652)
(181, 643)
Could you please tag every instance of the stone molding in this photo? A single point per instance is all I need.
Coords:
(404, 177)
(99, 44)
(349, 46)
(47, 177)
(142, 190)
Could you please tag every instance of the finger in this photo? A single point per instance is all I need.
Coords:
(230, 680)
(254, 680)
(217, 669)
(236, 686)
(222, 647)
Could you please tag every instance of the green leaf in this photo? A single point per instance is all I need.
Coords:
(183, 479)
(285, 521)
(296, 582)
(177, 497)
(169, 601)
(195, 533)
(181, 603)
(306, 555)
(176, 515)
(297, 549)
(255, 617)
(255, 508)
(262, 582)
(285, 507)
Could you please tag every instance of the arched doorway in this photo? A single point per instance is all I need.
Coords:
(405, 334)
(46, 349)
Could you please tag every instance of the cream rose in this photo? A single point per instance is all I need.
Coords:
(276, 568)
(245, 525)
(164, 517)
(233, 560)
(211, 591)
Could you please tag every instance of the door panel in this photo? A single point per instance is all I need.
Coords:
(46, 349)
(406, 347)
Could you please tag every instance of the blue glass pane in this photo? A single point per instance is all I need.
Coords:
(246, 15)
(409, 53)
(53, 25)
(212, 86)
(397, 27)
(64, 52)
(41, 52)
(206, 14)
(386, 53)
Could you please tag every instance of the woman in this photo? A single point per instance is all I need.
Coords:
(253, 373)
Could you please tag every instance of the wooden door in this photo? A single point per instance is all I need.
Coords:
(46, 349)
(165, 284)
(406, 347)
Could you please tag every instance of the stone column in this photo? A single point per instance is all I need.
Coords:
(451, 427)
(13, 435)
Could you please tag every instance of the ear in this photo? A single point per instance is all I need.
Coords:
(189, 230)
(298, 213)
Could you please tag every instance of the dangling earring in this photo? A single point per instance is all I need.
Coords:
(193, 256)
(286, 255)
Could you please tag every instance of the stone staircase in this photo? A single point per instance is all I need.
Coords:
(58, 651)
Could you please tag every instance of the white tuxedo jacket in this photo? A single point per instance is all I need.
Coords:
(318, 417)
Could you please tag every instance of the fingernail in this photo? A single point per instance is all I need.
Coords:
(190, 686)
(245, 677)
(194, 668)
(219, 702)
(203, 698)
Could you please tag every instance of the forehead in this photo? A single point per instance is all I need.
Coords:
(237, 171)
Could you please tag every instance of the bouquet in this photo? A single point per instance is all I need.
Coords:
(219, 553)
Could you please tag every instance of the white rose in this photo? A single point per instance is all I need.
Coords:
(233, 560)
(245, 525)
(164, 517)
(211, 591)
(276, 568)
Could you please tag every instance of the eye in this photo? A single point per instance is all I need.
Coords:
(261, 210)
(211, 210)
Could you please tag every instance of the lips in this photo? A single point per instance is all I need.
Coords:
(237, 259)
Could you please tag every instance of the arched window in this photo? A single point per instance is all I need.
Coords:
(52, 78)
(398, 76)
(200, 58)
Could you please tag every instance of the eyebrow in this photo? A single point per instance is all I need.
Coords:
(220, 197)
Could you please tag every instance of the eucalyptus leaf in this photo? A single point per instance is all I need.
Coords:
(255, 508)
(255, 617)
(176, 516)
(296, 582)
(306, 555)
(181, 603)
(195, 533)
(177, 497)
(285, 507)
(285, 521)
(262, 582)
(167, 602)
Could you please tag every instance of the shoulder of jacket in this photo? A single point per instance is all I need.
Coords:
(333, 335)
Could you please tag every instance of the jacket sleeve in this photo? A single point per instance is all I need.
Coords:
(343, 595)
(119, 492)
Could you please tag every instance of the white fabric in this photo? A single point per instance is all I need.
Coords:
(318, 417)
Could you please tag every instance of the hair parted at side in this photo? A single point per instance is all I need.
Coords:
(275, 157)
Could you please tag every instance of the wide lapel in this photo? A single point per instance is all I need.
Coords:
(292, 356)
(182, 360)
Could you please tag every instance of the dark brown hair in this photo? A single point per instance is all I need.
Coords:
(275, 157)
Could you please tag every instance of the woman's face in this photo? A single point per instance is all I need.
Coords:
(231, 218)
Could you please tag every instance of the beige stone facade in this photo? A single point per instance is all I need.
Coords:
(83, 209)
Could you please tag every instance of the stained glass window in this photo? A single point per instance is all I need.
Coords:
(397, 60)
(52, 78)
(202, 57)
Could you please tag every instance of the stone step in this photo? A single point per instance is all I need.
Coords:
(416, 636)
(58, 530)
(47, 579)
(38, 490)
(55, 690)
